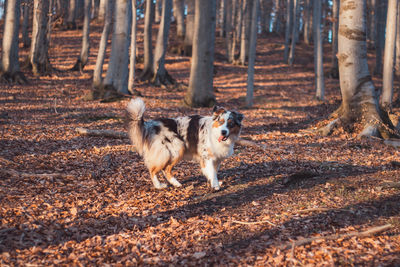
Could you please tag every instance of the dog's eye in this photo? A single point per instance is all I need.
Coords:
(231, 123)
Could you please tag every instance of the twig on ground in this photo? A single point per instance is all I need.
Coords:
(320, 209)
(370, 231)
(253, 223)
(15, 173)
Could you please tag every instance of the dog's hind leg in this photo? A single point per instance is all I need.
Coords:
(154, 179)
(168, 170)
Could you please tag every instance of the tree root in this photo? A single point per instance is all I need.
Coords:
(104, 93)
(328, 129)
(16, 77)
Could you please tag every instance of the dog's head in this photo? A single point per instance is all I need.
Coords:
(226, 124)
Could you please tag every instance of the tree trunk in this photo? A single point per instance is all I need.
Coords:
(102, 10)
(372, 22)
(10, 56)
(147, 43)
(228, 30)
(397, 66)
(288, 29)
(388, 67)
(318, 54)
(188, 41)
(276, 27)
(200, 91)
(307, 21)
(380, 34)
(98, 70)
(252, 54)
(132, 60)
(116, 79)
(335, 25)
(84, 55)
(359, 101)
(39, 57)
(295, 27)
(222, 17)
(159, 73)
(71, 17)
(179, 15)
(157, 15)
(246, 29)
(25, 23)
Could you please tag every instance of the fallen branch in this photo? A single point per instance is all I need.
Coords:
(391, 185)
(15, 173)
(253, 223)
(370, 231)
(121, 135)
(320, 209)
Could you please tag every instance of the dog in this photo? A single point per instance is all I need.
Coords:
(164, 142)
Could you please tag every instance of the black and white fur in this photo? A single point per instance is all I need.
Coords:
(164, 142)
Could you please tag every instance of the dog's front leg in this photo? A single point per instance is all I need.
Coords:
(210, 169)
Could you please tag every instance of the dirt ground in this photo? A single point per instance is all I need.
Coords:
(68, 199)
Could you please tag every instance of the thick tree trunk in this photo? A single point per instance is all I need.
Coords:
(147, 43)
(132, 59)
(188, 41)
(388, 67)
(159, 73)
(318, 54)
(116, 79)
(10, 52)
(295, 26)
(200, 91)
(179, 9)
(84, 55)
(252, 55)
(38, 57)
(288, 29)
(359, 100)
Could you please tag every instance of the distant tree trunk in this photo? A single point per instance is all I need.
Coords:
(147, 43)
(25, 23)
(84, 55)
(235, 28)
(132, 60)
(200, 91)
(277, 20)
(246, 28)
(397, 66)
(95, 9)
(288, 29)
(359, 101)
(179, 15)
(307, 21)
(390, 48)
(318, 54)
(102, 10)
(188, 41)
(71, 18)
(157, 15)
(222, 17)
(98, 70)
(252, 54)
(265, 18)
(116, 80)
(372, 22)
(10, 56)
(39, 57)
(228, 29)
(380, 34)
(159, 73)
(335, 26)
(295, 26)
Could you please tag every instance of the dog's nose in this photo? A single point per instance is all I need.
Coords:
(224, 132)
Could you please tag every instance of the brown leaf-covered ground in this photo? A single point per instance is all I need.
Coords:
(68, 199)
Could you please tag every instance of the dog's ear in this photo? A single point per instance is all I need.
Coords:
(217, 110)
(240, 117)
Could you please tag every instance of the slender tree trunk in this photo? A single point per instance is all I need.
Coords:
(157, 15)
(147, 42)
(307, 21)
(98, 70)
(10, 56)
(277, 21)
(318, 54)
(246, 29)
(373, 24)
(38, 57)
(102, 10)
(335, 26)
(295, 27)
(200, 90)
(95, 9)
(359, 99)
(252, 54)
(132, 59)
(222, 17)
(228, 30)
(236, 10)
(84, 55)
(397, 66)
(160, 74)
(117, 74)
(288, 30)
(179, 8)
(71, 18)
(25, 23)
(380, 35)
(390, 48)
(188, 41)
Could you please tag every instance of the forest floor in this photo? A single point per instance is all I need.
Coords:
(68, 199)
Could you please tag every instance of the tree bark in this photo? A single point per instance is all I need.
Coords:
(380, 35)
(390, 44)
(397, 61)
(179, 15)
(252, 55)
(246, 28)
(307, 21)
(102, 10)
(25, 23)
(84, 55)
(38, 57)
(318, 53)
(360, 103)
(71, 17)
(200, 91)
(116, 79)
(335, 26)
(188, 41)
(295, 26)
(157, 14)
(147, 43)
(98, 70)
(288, 29)
(132, 60)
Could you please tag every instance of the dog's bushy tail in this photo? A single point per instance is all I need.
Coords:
(136, 108)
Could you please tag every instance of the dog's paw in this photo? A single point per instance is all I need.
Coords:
(161, 186)
(175, 182)
(216, 188)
